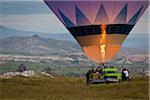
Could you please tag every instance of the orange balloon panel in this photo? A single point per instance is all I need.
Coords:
(101, 50)
(93, 53)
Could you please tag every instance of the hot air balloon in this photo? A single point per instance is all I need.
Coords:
(100, 27)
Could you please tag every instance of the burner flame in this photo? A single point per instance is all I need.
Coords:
(103, 40)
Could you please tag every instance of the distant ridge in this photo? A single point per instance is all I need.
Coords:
(133, 40)
(36, 45)
(8, 32)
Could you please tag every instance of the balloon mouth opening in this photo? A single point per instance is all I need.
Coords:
(100, 43)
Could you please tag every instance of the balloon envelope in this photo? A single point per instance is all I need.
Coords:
(100, 27)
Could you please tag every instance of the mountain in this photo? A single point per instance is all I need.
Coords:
(137, 40)
(36, 45)
(8, 32)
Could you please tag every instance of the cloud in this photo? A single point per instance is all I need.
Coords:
(23, 7)
(48, 23)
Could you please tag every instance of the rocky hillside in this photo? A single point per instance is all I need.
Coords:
(35, 45)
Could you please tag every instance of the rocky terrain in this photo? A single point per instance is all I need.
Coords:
(35, 45)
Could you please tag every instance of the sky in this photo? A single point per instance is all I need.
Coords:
(30, 16)
(35, 16)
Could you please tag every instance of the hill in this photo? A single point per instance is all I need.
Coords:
(36, 45)
(138, 40)
(8, 32)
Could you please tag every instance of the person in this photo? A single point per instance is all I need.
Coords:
(88, 76)
(101, 71)
(126, 74)
(22, 68)
(97, 73)
(123, 74)
(92, 70)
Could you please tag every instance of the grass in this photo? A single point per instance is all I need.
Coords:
(61, 70)
(71, 88)
(13, 66)
(67, 71)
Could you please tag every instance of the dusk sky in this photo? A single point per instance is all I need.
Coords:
(29, 15)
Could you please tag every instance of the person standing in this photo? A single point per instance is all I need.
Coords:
(88, 76)
(126, 74)
(123, 74)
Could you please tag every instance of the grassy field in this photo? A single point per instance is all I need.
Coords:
(67, 71)
(71, 88)
(63, 70)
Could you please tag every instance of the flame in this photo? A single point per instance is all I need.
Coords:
(103, 28)
(103, 40)
(103, 50)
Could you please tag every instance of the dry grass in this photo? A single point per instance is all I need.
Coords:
(71, 88)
